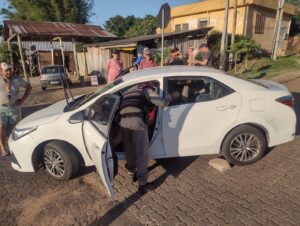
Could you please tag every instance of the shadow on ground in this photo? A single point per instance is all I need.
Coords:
(173, 167)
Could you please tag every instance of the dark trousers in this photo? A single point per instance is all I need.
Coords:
(136, 146)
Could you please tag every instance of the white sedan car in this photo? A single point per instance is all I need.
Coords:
(223, 115)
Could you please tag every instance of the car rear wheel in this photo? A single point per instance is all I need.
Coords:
(44, 88)
(244, 145)
(60, 160)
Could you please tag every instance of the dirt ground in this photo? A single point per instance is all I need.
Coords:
(54, 94)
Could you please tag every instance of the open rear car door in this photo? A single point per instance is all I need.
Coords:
(96, 134)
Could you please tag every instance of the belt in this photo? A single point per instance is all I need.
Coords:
(131, 115)
(4, 105)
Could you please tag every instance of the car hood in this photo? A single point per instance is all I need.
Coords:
(44, 116)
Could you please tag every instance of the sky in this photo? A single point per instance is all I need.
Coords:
(104, 9)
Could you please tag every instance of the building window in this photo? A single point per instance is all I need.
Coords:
(260, 24)
(185, 27)
(178, 27)
(202, 23)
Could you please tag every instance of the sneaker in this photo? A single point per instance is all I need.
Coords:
(130, 169)
(143, 189)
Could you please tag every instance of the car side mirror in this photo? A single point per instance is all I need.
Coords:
(78, 117)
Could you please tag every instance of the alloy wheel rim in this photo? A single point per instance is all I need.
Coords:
(54, 163)
(245, 147)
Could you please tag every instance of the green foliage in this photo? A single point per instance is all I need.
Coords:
(244, 46)
(215, 37)
(131, 26)
(5, 56)
(157, 55)
(71, 11)
(295, 26)
(1, 29)
(214, 41)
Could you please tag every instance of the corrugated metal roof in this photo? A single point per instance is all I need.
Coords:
(44, 46)
(42, 29)
(150, 37)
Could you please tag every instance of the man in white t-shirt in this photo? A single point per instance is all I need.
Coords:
(10, 101)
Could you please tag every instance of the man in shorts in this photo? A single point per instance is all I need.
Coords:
(10, 102)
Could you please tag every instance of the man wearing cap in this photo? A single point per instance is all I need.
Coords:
(10, 101)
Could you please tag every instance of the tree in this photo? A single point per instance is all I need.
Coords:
(71, 11)
(244, 46)
(131, 26)
(5, 55)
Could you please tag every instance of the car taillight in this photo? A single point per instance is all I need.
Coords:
(286, 100)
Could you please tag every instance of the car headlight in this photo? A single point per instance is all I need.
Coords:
(18, 133)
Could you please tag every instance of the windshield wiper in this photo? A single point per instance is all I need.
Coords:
(77, 102)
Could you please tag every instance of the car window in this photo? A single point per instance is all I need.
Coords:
(52, 70)
(101, 113)
(199, 89)
(97, 93)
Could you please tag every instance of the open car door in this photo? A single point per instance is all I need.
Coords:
(96, 137)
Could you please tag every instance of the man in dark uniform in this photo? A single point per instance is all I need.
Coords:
(135, 128)
(206, 56)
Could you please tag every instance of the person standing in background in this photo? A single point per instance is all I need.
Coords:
(174, 58)
(114, 66)
(10, 102)
(191, 56)
(147, 62)
(206, 56)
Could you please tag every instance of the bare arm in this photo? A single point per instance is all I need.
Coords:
(154, 98)
(202, 62)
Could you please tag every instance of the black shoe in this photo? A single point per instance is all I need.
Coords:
(143, 189)
(130, 169)
(134, 178)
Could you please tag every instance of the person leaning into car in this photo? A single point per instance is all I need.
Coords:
(10, 102)
(134, 129)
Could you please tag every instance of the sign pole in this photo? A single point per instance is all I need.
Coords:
(162, 37)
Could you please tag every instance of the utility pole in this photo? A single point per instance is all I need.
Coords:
(224, 38)
(279, 16)
(232, 57)
(234, 22)
(162, 37)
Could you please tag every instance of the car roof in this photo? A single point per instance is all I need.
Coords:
(171, 70)
(184, 70)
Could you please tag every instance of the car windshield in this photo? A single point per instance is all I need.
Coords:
(91, 96)
(52, 69)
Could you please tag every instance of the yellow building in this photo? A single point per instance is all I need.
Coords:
(255, 18)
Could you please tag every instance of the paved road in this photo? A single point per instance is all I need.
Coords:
(189, 192)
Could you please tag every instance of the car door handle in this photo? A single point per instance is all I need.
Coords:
(226, 107)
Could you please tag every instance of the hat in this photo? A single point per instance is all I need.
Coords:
(146, 51)
(5, 66)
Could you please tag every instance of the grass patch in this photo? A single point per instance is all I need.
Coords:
(266, 68)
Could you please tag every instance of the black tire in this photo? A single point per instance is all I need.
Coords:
(237, 153)
(70, 161)
(44, 88)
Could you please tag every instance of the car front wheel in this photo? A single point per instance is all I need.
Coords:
(244, 145)
(60, 160)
